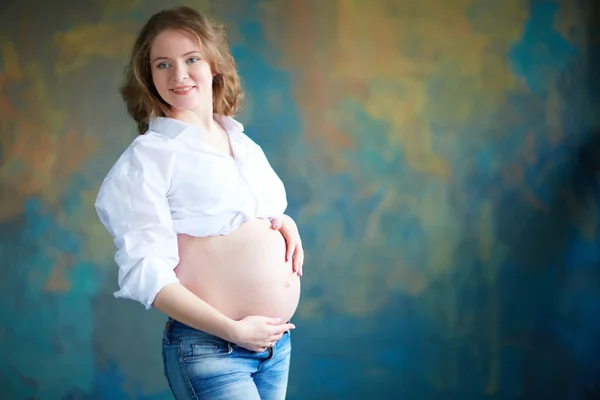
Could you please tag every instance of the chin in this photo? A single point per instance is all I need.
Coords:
(184, 105)
(185, 102)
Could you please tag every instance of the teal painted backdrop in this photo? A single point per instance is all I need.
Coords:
(441, 159)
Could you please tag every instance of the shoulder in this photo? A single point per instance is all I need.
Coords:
(151, 144)
(149, 153)
(233, 125)
(231, 122)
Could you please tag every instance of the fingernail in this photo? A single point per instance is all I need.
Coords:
(293, 326)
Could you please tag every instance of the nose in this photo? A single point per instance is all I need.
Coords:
(179, 73)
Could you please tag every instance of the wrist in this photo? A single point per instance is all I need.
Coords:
(229, 330)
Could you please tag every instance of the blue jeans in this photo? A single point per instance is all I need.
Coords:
(198, 365)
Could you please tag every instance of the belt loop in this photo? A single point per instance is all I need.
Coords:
(167, 333)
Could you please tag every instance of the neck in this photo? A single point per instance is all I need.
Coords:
(203, 120)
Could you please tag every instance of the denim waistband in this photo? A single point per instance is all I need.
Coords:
(179, 329)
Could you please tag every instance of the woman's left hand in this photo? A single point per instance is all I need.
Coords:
(289, 230)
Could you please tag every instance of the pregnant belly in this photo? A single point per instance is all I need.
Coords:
(243, 273)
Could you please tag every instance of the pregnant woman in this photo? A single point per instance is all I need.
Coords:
(197, 216)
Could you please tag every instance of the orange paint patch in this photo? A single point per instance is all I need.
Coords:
(57, 282)
(41, 147)
(305, 37)
(9, 73)
(79, 46)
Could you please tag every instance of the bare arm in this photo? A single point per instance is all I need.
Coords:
(132, 204)
(176, 301)
(255, 333)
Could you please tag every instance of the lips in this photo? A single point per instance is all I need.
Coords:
(182, 90)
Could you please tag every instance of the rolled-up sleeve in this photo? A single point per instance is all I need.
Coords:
(132, 205)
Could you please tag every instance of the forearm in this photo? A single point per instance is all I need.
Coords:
(176, 301)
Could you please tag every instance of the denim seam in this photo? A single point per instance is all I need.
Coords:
(164, 360)
(185, 371)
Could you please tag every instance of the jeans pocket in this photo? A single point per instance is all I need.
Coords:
(196, 349)
(208, 362)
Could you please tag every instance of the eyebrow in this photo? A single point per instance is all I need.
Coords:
(166, 58)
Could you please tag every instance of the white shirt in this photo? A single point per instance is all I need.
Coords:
(168, 182)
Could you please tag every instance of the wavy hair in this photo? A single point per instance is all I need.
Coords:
(138, 91)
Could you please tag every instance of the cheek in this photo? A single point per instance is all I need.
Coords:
(202, 73)
(159, 81)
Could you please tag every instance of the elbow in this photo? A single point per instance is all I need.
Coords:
(145, 279)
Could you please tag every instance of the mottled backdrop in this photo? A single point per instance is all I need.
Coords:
(441, 159)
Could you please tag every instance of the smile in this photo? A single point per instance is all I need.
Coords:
(183, 90)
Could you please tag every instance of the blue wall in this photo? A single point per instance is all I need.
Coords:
(441, 159)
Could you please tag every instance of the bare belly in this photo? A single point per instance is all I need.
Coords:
(243, 273)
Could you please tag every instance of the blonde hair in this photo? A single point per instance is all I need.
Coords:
(138, 91)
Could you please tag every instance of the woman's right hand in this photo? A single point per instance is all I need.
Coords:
(257, 333)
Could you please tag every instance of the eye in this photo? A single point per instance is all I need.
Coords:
(193, 59)
(162, 65)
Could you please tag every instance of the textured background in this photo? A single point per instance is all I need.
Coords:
(441, 160)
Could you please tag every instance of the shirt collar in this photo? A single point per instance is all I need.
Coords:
(172, 128)
(168, 126)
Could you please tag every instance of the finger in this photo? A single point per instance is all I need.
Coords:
(273, 321)
(284, 328)
(260, 349)
(290, 250)
(280, 330)
(276, 223)
(275, 338)
(301, 264)
(297, 262)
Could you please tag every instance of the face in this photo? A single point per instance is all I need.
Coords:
(181, 76)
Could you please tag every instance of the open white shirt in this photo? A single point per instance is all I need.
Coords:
(169, 182)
